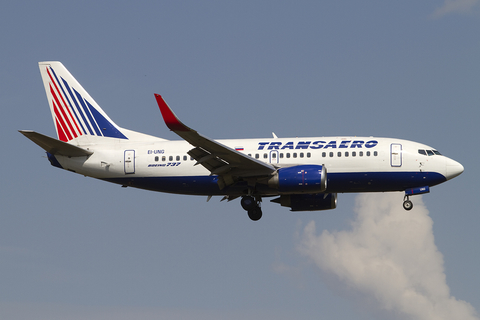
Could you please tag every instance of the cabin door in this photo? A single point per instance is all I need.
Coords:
(129, 161)
(274, 156)
(396, 155)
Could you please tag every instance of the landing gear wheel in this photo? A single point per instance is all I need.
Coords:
(255, 214)
(248, 203)
(407, 205)
(252, 205)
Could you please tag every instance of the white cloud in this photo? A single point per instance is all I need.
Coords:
(389, 256)
(455, 6)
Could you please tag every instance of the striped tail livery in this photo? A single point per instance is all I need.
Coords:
(74, 111)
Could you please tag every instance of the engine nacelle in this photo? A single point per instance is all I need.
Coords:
(308, 202)
(300, 179)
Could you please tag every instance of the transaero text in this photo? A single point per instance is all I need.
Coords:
(277, 145)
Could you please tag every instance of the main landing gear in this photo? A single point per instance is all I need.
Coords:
(407, 204)
(252, 206)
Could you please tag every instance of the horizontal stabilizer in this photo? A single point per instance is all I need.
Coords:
(54, 146)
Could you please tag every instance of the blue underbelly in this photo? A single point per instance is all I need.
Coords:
(381, 181)
(337, 183)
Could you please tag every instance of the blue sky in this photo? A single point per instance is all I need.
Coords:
(73, 247)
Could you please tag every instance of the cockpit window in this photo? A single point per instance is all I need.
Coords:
(429, 152)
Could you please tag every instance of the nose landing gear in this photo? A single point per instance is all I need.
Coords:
(407, 204)
(252, 206)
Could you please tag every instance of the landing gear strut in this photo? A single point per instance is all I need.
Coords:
(407, 204)
(252, 206)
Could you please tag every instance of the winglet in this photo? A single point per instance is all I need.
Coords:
(169, 117)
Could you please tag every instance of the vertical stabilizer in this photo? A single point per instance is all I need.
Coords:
(74, 111)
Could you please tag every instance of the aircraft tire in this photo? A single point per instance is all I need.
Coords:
(255, 214)
(248, 203)
(407, 205)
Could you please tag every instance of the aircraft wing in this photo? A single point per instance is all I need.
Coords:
(217, 158)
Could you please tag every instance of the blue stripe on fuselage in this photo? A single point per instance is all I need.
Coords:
(381, 181)
(337, 183)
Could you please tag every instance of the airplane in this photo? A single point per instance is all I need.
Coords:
(303, 174)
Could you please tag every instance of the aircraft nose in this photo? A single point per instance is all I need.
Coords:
(454, 169)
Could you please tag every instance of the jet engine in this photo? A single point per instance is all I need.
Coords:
(300, 179)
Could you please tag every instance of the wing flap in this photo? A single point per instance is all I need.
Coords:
(206, 159)
(54, 146)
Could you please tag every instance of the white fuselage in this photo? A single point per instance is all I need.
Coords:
(354, 164)
(306, 173)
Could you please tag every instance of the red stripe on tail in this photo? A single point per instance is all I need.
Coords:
(65, 136)
(72, 122)
(65, 117)
(60, 132)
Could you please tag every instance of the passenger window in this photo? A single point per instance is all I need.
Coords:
(178, 158)
(346, 153)
(288, 155)
(339, 154)
(257, 156)
(164, 158)
(294, 154)
(265, 156)
(368, 153)
(375, 153)
(324, 154)
(422, 152)
(156, 158)
(301, 154)
(281, 155)
(331, 154)
(274, 155)
(360, 153)
(170, 158)
(354, 153)
(309, 154)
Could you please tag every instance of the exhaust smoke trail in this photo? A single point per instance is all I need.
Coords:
(389, 257)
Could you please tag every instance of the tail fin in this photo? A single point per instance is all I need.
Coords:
(74, 111)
